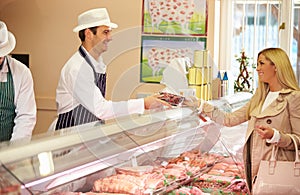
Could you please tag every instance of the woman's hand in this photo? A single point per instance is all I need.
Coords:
(265, 132)
(192, 101)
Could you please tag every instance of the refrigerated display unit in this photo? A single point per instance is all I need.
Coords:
(73, 160)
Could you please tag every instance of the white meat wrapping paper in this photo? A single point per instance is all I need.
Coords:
(174, 76)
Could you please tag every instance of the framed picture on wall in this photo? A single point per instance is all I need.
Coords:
(158, 51)
(175, 17)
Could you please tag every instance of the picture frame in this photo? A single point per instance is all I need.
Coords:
(158, 51)
(175, 17)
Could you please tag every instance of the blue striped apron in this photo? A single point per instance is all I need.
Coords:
(80, 115)
(7, 106)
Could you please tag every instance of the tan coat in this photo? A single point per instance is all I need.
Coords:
(282, 114)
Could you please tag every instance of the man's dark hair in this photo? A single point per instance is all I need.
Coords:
(82, 35)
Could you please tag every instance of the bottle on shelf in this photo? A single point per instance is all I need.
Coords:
(224, 85)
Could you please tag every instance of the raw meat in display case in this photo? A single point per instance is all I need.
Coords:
(8, 185)
(171, 154)
(176, 176)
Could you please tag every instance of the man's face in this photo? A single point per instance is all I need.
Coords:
(100, 39)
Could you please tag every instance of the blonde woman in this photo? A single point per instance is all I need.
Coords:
(272, 113)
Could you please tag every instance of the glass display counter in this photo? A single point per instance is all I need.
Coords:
(73, 160)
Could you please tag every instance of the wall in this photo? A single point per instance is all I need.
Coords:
(43, 29)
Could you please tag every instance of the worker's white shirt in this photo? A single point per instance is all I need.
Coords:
(76, 86)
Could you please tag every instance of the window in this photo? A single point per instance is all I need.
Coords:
(295, 53)
(252, 25)
(255, 27)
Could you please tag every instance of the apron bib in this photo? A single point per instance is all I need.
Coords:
(7, 107)
(80, 115)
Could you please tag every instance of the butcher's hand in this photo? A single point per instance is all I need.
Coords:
(265, 132)
(152, 102)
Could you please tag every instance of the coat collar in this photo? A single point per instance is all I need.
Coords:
(275, 107)
(285, 91)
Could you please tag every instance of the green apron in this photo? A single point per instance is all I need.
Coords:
(7, 107)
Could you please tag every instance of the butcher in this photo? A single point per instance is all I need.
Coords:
(80, 94)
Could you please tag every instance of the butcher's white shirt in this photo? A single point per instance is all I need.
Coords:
(24, 100)
(76, 86)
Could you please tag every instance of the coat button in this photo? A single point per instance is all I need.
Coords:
(280, 99)
(269, 121)
(268, 144)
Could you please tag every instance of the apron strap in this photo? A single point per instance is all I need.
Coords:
(99, 78)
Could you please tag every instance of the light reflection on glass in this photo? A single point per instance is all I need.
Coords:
(46, 163)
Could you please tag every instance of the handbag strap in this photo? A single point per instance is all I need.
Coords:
(296, 148)
(272, 162)
(297, 162)
(275, 150)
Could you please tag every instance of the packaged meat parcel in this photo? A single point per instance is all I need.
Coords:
(162, 152)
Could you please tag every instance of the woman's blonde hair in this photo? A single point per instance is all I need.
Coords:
(285, 75)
